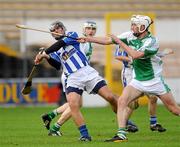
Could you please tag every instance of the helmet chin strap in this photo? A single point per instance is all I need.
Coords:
(136, 34)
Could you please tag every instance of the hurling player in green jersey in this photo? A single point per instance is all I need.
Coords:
(142, 47)
(147, 69)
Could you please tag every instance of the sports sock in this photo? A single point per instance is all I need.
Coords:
(122, 133)
(53, 113)
(84, 131)
(129, 122)
(153, 120)
(56, 127)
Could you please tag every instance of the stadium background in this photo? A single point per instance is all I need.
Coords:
(18, 48)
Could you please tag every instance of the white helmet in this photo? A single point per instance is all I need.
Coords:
(140, 20)
(90, 24)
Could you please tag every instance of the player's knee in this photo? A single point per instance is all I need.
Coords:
(153, 99)
(133, 105)
(122, 102)
(108, 95)
(112, 98)
(74, 105)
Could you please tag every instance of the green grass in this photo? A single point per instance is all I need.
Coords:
(22, 127)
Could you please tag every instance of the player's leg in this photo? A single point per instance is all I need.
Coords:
(170, 103)
(76, 83)
(152, 106)
(126, 77)
(65, 116)
(55, 129)
(128, 95)
(47, 117)
(130, 125)
(65, 112)
(74, 100)
(107, 94)
(164, 93)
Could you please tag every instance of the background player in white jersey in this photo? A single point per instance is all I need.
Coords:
(147, 69)
(89, 29)
(80, 76)
(126, 77)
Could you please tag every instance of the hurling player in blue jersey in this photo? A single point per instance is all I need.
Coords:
(80, 76)
(89, 29)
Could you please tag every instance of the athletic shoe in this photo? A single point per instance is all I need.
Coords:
(54, 133)
(85, 138)
(47, 120)
(157, 127)
(116, 138)
(131, 128)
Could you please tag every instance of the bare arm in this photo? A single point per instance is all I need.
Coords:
(123, 58)
(133, 53)
(99, 40)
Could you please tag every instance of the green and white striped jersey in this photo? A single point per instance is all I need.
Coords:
(87, 49)
(150, 65)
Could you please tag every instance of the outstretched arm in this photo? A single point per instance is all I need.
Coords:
(99, 40)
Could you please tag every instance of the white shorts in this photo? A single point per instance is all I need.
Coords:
(87, 78)
(126, 76)
(155, 86)
(63, 81)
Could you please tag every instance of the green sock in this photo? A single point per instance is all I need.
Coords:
(52, 114)
(56, 127)
(122, 133)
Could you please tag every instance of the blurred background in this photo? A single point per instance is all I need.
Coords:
(19, 47)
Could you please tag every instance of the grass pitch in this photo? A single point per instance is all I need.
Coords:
(22, 127)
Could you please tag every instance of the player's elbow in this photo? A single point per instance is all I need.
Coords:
(137, 55)
(118, 58)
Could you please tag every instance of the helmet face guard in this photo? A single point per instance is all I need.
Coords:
(141, 20)
(89, 24)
